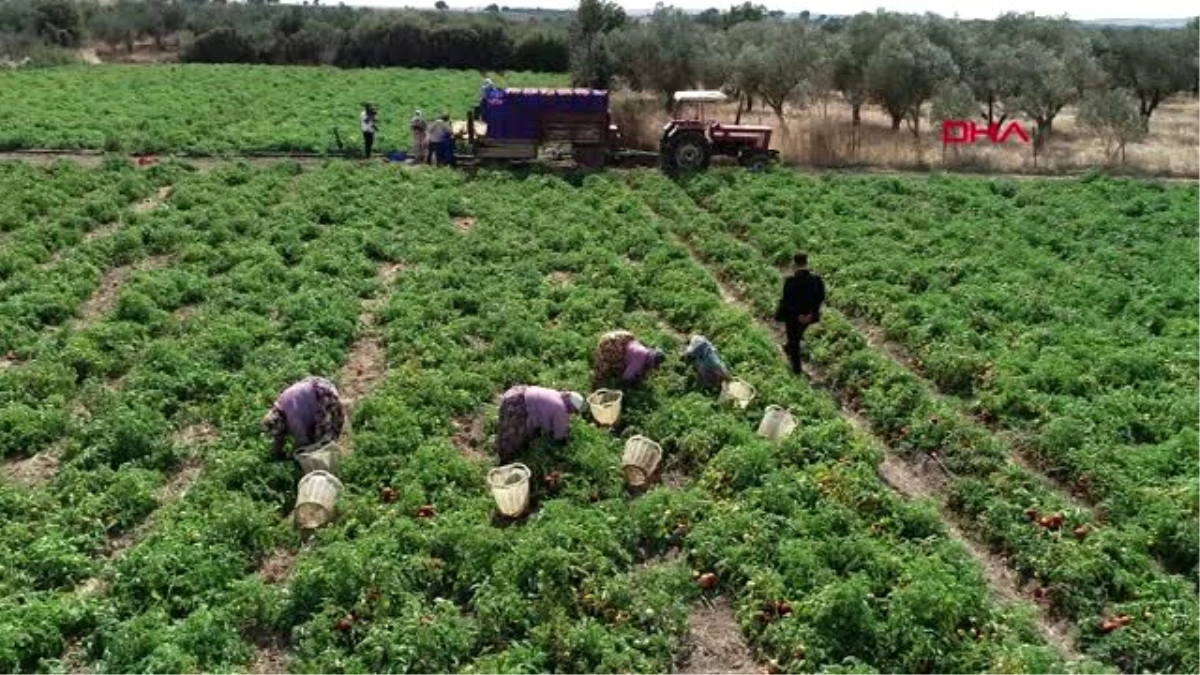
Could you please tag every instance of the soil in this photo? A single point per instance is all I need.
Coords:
(675, 479)
(151, 203)
(671, 330)
(92, 587)
(109, 290)
(182, 481)
(464, 223)
(470, 436)
(36, 469)
(184, 313)
(201, 433)
(269, 660)
(278, 566)
(714, 641)
(74, 658)
(559, 278)
(364, 368)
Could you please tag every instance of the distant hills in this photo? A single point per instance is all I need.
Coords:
(1131, 23)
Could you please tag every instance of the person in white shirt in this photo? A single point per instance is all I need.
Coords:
(420, 147)
(368, 122)
(441, 140)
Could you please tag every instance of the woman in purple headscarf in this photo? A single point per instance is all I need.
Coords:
(529, 412)
(310, 411)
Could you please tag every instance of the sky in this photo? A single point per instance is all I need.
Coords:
(1076, 9)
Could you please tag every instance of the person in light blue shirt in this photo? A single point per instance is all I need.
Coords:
(711, 370)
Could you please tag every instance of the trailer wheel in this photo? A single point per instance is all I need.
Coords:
(589, 156)
(688, 152)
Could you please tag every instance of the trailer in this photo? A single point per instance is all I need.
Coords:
(517, 124)
(512, 125)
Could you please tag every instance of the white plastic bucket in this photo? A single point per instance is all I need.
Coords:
(316, 499)
(739, 391)
(776, 424)
(605, 405)
(640, 459)
(510, 488)
(318, 458)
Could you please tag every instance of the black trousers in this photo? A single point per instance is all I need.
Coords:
(368, 141)
(795, 333)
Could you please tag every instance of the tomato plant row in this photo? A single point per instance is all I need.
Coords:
(1107, 570)
(273, 265)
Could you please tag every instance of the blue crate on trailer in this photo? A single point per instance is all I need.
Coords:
(516, 114)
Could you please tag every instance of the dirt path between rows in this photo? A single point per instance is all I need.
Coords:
(902, 357)
(365, 368)
(715, 643)
(106, 294)
(95, 158)
(909, 479)
(367, 363)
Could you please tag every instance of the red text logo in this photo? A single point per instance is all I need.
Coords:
(966, 131)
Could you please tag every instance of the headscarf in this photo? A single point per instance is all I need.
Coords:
(419, 115)
(657, 356)
(487, 82)
(273, 423)
(577, 401)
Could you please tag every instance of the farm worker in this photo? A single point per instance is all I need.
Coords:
(368, 122)
(799, 306)
(309, 410)
(709, 366)
(527, 412)
(418, 137)
(486, 90)
(441, 140)
(620, 355)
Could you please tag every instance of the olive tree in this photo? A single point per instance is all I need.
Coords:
(591, 65)
(850, 51)
(780, 67)
(905, 72)
(1151, 63)
(1115, 116)
(664, 54)
(1049, 80)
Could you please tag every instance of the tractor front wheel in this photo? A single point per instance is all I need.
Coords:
(756, 161)
(687, 152)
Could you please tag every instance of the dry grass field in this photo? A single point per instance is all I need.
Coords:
(822, 135)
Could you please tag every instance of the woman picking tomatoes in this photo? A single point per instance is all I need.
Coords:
(310, 411)
(620, 356)
(528, 412)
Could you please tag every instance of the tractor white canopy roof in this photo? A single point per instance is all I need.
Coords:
(701, 96)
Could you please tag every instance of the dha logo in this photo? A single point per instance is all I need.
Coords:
(966, 131)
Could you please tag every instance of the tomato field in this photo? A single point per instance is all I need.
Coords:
(207, 109)
(148, 316)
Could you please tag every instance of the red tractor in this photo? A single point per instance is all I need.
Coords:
(691, 139)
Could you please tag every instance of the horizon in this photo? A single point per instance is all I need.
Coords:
(1101, 10)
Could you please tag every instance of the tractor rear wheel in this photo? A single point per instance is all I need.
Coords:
(687, 152)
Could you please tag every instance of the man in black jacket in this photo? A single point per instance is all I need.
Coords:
(800, 306)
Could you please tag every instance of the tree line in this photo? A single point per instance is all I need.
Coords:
(310, 34)
(913, 67)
